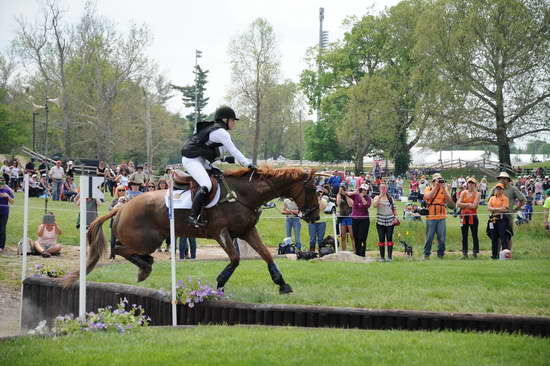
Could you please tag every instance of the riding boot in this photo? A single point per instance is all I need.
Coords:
(198, 203)
(390, 250)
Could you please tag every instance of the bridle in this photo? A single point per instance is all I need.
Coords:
(307, 209)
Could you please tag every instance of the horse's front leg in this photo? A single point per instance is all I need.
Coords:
(226, 242)
(253, 238)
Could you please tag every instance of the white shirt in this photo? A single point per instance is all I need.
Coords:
(57, 173)
(221, 136)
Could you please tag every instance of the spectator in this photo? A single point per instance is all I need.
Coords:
(91, 209)
(547, 214)
(414, 189)
(110, 179)
(292, 221)
(43, 167)
(334, 182)
(101, 171)
(483, 188)
(134, 190)
(6, 198)
(360, 218)
(513, 195)
(468, 202)
(162, 184)
(499, 225)
(57, 174)
(148, 173)
(151, 186)
(45, 186)
(188, 246)
(344, 204)
(385, 220)
(399, 182)
(5, 171)
(538, 192)
(317, 229)
(131, 168)
(69, 189)
(412, 213)
(454, 186)
(436, 196)
(122, 178)
(14, 176)
(138, 177)
(70, 169)
(29, 167)
(48, 233)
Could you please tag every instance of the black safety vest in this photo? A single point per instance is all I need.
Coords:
(198, 144)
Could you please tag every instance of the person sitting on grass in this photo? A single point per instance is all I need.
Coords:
(48, 233)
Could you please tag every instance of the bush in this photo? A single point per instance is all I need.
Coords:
(195, 292)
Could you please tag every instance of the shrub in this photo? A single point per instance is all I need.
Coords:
(49, 270)
(194, 291)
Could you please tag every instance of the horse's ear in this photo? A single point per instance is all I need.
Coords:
(311, 173)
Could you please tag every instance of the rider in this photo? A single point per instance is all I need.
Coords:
(202, 149)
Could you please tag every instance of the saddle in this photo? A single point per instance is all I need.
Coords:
(185, 182)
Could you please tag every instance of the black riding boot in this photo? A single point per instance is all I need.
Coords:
(198, 203)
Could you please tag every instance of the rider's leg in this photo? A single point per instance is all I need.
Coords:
(196, 169)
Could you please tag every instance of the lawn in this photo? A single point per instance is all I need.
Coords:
(529, 240)
(484, 286)
(218, 345)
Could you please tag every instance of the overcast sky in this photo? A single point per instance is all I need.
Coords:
(180, 27)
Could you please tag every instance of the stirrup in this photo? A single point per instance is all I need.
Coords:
(196, 222)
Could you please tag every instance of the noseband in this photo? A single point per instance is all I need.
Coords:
(308, 209)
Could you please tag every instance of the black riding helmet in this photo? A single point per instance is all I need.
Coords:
(225, 112)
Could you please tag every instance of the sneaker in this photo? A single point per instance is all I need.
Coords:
(46, 255)
(474, 255)
(464, 256)
(426, 257)
(389, 260)
(381, 260)
(439, 256)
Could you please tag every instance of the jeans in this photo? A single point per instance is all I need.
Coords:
(184, 246)
(294, 223)
(3, 224)
(316, 233)
(499, 232)
(433, 227)
(473, 227)
(57, 187)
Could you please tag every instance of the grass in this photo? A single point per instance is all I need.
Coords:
(529, 240)
(218, 345)
(483, 285)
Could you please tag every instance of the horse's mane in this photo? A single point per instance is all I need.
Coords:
(269, 171)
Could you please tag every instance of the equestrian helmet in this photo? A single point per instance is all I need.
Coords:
(225, 112)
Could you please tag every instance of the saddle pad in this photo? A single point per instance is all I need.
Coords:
(183, 201)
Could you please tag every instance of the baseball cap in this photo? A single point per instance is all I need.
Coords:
(499, 185)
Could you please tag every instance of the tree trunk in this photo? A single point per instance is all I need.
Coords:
(358, 162)
(148, 127)
(502, 138)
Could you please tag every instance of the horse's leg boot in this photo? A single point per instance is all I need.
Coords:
(277, 277)
(198, 203)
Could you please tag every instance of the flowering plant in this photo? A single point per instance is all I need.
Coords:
(49, 270)
(106, 319)
(193, 292)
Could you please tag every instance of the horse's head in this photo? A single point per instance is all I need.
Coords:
(303, 192)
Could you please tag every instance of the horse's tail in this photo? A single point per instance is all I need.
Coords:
(96, 243)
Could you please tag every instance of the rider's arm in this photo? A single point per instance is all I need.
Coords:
(221, 136)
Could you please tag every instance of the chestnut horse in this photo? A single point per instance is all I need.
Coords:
(142, 224)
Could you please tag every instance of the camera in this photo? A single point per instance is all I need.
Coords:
(441, 180)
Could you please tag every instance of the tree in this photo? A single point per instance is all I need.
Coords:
(492, 61)
(189, 97)
(255, 67)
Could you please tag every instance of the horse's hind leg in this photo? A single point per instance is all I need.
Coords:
(226, 242)
(253, 238)
(143, 262)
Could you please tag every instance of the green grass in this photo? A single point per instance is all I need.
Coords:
(530, 240)
(483, 285)
(218, 345)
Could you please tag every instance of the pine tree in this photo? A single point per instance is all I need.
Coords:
(188, 94)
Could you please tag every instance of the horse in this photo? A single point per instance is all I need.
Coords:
(142, 224)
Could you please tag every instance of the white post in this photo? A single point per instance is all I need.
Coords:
(336, 246)
(24, 246)
(82, 290)
(173, 251)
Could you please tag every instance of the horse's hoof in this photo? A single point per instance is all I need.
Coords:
(285, 289)
(143, 274)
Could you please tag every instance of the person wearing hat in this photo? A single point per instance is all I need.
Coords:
(468, 202)
(138, 177)
(436, 197)
(6, 198)
(546, 207)
(344, 204)
(57, 173)
(134, 189)
(203, 148)
(514, 195)
(499, 226)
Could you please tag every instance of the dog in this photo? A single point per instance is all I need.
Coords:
(408, 249)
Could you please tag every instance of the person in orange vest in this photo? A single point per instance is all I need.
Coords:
(468, 202)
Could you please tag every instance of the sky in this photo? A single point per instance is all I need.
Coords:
(181, 27)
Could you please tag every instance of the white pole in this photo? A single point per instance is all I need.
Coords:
(337, 247)
(24, 246)
(82, 290)
(173, 251)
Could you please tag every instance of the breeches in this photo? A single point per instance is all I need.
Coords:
(195, 167)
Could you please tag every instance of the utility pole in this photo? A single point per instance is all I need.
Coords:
(198, 54)
(301, 149)
(46, 129)
(323, 40)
